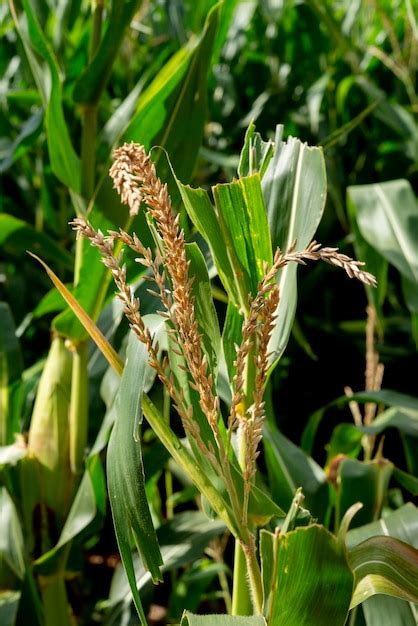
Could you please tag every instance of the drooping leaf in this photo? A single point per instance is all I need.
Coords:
(310, 582)
(404, 419)
(381, 610)
(294, 189)
(376, 264)
(125, 474)
(384, 565)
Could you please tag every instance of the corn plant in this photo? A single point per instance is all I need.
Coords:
(202, 382)
(276, 553)
(53, 496)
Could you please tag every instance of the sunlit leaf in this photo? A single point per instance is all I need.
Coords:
(125, 474)
(310, 582)
(294, 189)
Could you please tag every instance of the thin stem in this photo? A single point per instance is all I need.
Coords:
(254, 575)
(97, 27)
(241, 599)
(78, 410)
(79, 379)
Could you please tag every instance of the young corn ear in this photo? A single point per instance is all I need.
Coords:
(48, 442)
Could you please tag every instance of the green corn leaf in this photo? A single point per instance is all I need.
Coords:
(9, 604)
(407, 481)
(11, 366)
(384, 610)
(93, 80)
(404, 419)
(236, 231)
(255, 154)
(182, 539)
(12, 562)
(384, 565)
(88, 507)
(386, 397)
(125, 474)
(362, 482)
(28, 134)
(387, 216)
(204, 307)
(244, 227)
(345, 439)
(290, 468)
(375, 263)
(17, 236)
(203, 215)
(231, 337)
(401, 524)
(306, 578)
(294, 189)
(170, 112)
(64, 161)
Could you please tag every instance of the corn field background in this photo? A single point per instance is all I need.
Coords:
(209, 313)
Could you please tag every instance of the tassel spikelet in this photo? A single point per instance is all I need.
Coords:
(136, 181)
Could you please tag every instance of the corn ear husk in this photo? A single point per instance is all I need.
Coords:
(48, 442)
